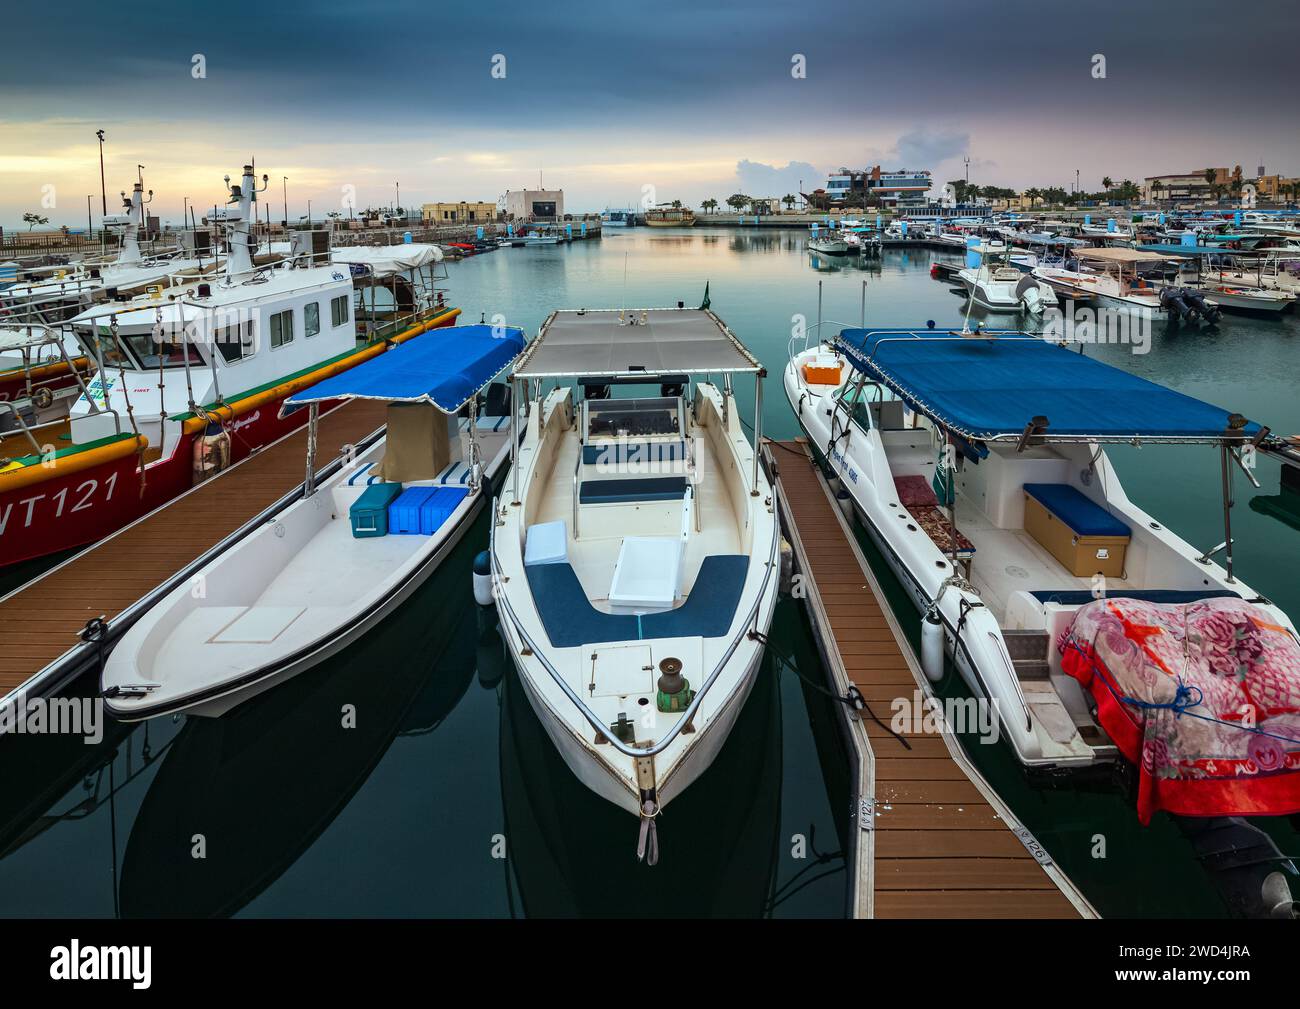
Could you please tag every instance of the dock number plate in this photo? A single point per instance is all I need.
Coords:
(1037, 850)
(866, 814)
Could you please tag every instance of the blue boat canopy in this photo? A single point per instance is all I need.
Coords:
(992, 386)
(445, 367)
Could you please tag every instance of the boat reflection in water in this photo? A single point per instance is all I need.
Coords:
(264, 782)
(568, 846)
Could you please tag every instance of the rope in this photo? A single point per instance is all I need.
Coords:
(852, 697)
(1180, 705)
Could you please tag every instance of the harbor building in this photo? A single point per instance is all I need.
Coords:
(1277, 188)
(1185, 186)
(535, 204)
(901, 190)
(458, 213)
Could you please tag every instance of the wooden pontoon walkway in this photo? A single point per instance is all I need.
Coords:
(934, 840)
(42, 620)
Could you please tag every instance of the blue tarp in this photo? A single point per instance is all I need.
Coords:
(984, 388)
(446, 367)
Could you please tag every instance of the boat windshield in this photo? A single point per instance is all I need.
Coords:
(635, 418)
(138, 352)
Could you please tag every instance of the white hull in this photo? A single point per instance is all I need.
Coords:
(589, 651)
(178, 646)
(1046, 721)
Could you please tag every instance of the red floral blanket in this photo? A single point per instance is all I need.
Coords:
(1203, 697)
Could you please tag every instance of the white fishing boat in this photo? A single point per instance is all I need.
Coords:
(1113, 280)
(54, 294)
(1266, 271)
(1187, 278)
(332, 564)
(635, 549)
(977, 464)
(828, 243)
(1006, 289)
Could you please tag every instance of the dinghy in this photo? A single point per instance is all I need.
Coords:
(976, 462)
(332, 564)
(635, 549)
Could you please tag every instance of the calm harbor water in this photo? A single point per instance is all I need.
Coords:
(448, 799)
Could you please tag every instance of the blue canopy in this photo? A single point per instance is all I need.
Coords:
(991, 386)
(445, 367)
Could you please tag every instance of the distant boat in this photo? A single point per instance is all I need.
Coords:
(670, 217)
(618, 219)
(828, 244)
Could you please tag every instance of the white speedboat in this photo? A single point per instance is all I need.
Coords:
(1006, 289)
(331, 565)
(635, 549)
(1111, 279)
(827, 243)
(977, 464)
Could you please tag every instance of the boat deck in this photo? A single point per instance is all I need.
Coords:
(41, 621)
(934, 839)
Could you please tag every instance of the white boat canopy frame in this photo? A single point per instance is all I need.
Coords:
(634, 343)
(637, 345)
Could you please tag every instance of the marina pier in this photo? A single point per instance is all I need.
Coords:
(932, 838)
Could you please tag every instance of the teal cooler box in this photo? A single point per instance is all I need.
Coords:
(369, 513)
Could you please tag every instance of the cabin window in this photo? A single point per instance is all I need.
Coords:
(281, 328)
(339, 310)
(233, 344)
(311, 318)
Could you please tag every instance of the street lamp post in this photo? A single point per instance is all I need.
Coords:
(103, 191)
(285, 187)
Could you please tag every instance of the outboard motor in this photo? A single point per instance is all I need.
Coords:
(1029, 295)
(1171, 300)
(1208, 312)
(1247, 868)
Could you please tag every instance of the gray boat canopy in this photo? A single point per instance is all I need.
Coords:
(632, 343)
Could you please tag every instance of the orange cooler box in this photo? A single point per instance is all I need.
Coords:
(1078, 532)
(824, 369)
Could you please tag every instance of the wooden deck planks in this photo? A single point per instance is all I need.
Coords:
(41, 621)
(941, 849)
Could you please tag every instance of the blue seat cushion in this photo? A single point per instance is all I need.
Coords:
(646, 488)
(1083, 516)
(1080, 597)
(570, 619)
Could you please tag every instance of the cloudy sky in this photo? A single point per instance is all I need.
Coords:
(694, 99)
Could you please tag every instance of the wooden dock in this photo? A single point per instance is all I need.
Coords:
(934, 840)
(41, 621)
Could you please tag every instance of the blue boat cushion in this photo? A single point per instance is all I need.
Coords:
(1084, 517)
(617, 453)
(571, 620)
(621, 491)
(421, 511)
(1081, 597)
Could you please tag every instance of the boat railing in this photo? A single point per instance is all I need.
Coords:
(50, 338)
(503, 603)
(808, 334)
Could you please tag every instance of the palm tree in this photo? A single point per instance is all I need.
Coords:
(677, 204)
(710, 204)
(1107, 182)
(789, 200)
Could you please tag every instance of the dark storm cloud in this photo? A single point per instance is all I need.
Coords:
(675, 66)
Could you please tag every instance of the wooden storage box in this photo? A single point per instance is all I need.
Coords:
(1083, 536)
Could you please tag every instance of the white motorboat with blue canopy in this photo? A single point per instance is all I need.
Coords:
(635, 548)
(333, 563)
(977, 464)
